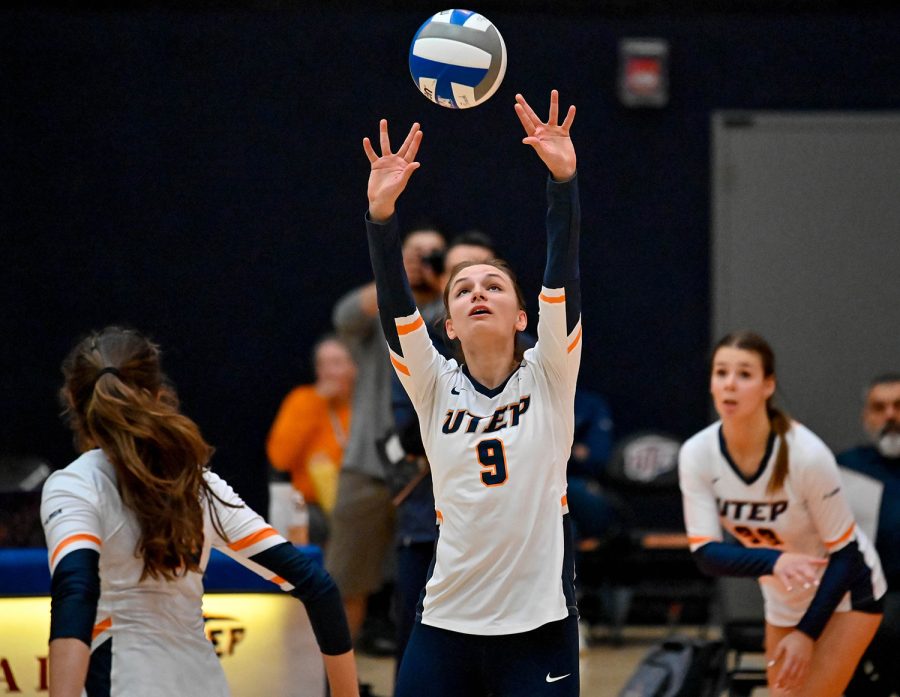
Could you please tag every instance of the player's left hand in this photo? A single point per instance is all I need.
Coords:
(550, 140)
(791, 660)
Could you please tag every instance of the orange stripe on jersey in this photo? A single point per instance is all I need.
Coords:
(101, 627)
(277, 579)
(69, 540)
(575, 342)
(399, 366)
(564, 501)
(250, 540)
(699, 540)
(440, 516)
(411, 327)
(842, 538)
(553, 298)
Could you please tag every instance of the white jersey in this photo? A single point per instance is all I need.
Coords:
(498, 458)
(156, 626)
(809, 515)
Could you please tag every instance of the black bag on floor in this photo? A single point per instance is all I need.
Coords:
(678, 667)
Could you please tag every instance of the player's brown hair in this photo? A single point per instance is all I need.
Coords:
(116, 397)
(781, 422)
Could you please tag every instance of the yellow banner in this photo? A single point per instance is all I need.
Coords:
(264, 641)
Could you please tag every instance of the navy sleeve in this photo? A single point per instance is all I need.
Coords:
(563, 233)
(316, 589)
(74, 592)
(395, 298)
(844, 567)
(726, 559)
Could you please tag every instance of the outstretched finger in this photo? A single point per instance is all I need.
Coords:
(414, 147)
(526, 122)
(552, 119)
(408, 170)
(535, 119)
(383, 137)
(570, 117)
(369, 150)
(404, 149)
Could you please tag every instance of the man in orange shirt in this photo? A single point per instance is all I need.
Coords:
(310, 431)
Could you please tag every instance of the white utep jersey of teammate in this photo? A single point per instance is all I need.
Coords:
(157, 626)
(809, 515)
(498, 459)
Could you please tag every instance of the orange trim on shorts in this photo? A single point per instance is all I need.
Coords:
(277, 579)
(552, 298)
(699, 540)
(101, 627)
(399, 366)
(403, 329)
(575, 342)
(250, 540)
(842, 538)
(564, 501)
(440, 516)
(73, 538)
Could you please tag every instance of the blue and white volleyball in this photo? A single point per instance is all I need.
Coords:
(457, 59)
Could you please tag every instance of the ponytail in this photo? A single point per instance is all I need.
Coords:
(116, 398)
(781, 424)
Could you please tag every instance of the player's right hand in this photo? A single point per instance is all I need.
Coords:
(390, 171)
(799, 570)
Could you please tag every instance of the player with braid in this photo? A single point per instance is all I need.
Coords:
(774, 486)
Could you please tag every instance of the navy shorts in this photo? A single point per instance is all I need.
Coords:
(539, 663)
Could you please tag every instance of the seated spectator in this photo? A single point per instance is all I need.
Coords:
(309, 433)
(878, 463)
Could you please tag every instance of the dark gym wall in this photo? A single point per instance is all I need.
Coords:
(198, 174)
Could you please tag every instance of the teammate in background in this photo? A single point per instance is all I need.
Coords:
(877, 467)
(308, 436)
(129, 529)
(773, 485)
(498, 615)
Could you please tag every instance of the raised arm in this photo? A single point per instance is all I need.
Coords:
(387, 179)
(559, 324)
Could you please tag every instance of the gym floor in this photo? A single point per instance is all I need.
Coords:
(604, 668)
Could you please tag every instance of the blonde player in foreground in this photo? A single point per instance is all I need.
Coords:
(498, 613)
(129, 529)
(775, 487)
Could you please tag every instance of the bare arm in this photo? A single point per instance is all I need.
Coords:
(69, 660)
(341, 671)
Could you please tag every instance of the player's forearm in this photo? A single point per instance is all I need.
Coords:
(726, 559)
(395, 298)
(563, 233)
(843, 567)
(69, 660)
(341, 672)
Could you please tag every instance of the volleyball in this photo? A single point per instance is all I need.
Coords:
(457, 59)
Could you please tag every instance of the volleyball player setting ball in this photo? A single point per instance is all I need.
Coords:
(498, 613)
(774, 486)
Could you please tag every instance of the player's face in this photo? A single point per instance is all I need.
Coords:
(882, 410)
(483, 304)
(737, 384)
